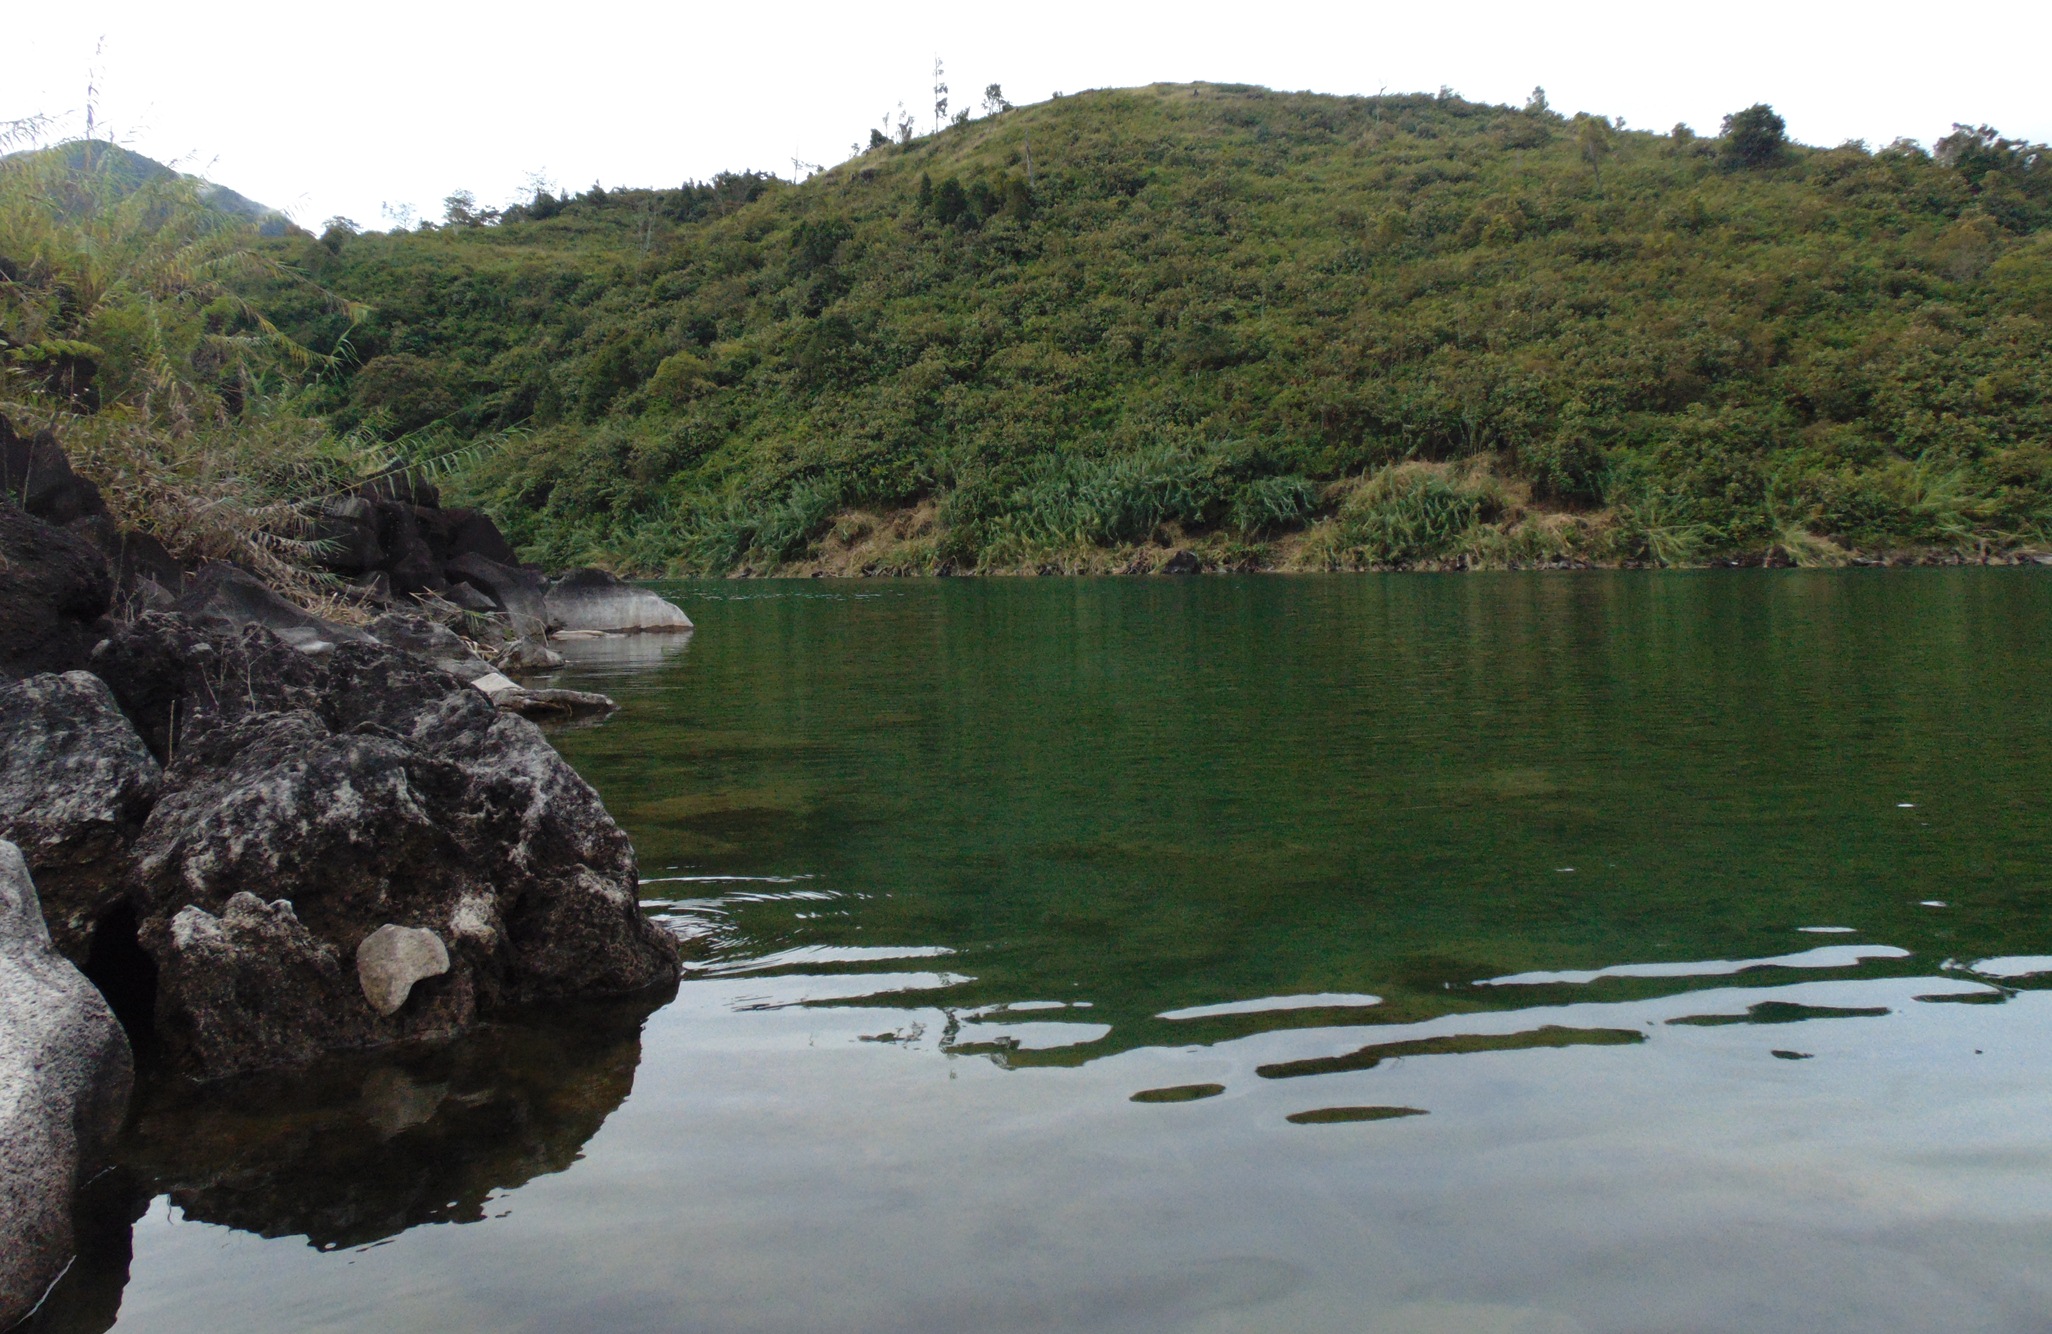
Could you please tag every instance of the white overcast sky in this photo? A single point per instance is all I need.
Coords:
(343, 108)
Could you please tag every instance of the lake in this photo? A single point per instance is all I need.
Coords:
(1511, 952)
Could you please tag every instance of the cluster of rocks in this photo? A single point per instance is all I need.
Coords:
(254, 836)
(390, 544)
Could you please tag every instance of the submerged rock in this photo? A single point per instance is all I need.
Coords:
(76, 783)
(595, 600)
(554, 703)
(65, 1077)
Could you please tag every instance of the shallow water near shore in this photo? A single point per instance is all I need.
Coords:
(1523, 952)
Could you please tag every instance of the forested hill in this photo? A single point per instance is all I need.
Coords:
(1282, 329)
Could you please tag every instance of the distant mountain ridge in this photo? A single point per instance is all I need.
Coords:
(132, 168)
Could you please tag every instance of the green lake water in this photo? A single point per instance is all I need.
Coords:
(1551, 952)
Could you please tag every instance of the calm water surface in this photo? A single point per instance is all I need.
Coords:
(1480, 953)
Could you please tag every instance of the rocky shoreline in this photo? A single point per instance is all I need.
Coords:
(235, 836)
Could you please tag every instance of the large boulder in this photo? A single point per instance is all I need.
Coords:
(36, 475)
(54, 592)
(346, 536)
(595, 600)
(464, 532)
(65, 1076)
(147, 577)
(522, 594)
(229, 596)
(175, 676)
(381, 792)
(76, 783)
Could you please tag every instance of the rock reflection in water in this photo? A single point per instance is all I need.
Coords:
(361, 1148)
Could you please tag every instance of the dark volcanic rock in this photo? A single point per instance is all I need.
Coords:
(54, 592)
(347, 532)
(35, 474)
(175, 677)
(76, 783)
(65, 1075)
(432, 641)
(464, 532)
(210, 967)
(147, 577)
(384, 791)
(232, 597)
(520, 593)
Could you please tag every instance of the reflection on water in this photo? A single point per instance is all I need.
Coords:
(1548, 953)
(358, 1149)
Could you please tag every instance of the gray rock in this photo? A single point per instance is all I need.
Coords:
(76, 783)
(554, 704)
(520, 593)
(35, 474)
(595, 600)
(176, 677)
(392, 958)
(431, 641)
(65, 1076)
(381, 791)
(469, 599)
(231, 597)
(529, 655)
(347, 536)
(55, 589)
(211, 968)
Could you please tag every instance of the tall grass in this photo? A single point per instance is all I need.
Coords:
(123, 331)
(1407, 514)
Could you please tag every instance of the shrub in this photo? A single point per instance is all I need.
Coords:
(1755, 137)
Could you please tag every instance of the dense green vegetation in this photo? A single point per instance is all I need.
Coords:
(127, 327)
(1284, 329)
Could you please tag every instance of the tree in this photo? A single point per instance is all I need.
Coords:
(994, 102)
(1976, 150)
(877, 138)
(1536, 105)
(1592, 139)
(1755, 137)
(950, 201)
(940, 96)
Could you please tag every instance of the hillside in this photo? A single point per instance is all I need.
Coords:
(126, 170)
(1285, 329)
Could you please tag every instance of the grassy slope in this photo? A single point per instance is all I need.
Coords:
(1291, 328)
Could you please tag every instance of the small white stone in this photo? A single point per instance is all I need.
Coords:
(494, 684)
(392, 958)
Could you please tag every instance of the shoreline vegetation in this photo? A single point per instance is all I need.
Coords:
(1182, 325)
